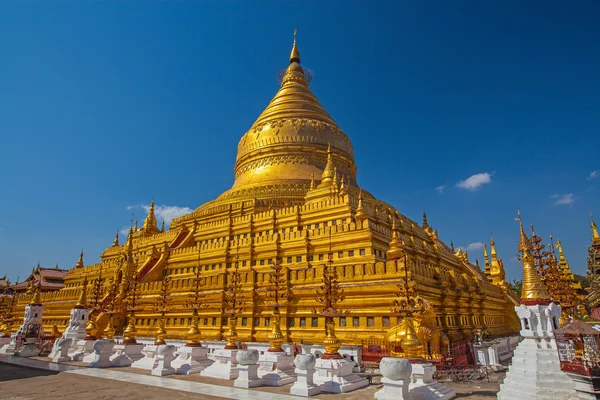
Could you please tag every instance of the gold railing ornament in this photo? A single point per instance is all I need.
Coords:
(275, 337)
(95, 307)
(194, 334)
(231, 335)
(162, 306)
(233, 304)
(133, 293)
(402, 340)
(109, 332)
(330, 294)
(195, 301)
(278, 291)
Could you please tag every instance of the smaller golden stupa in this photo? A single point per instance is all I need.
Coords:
(533, 290)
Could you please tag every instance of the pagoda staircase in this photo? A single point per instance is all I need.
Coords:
(183, 238)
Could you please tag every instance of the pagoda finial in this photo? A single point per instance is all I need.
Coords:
(492, 246)
(116, 241)
(312, 181)
(130, 239)
(162, 226)
(396, 244)
(135, 228)
(330, 171)
(36, 300)
(452, 245)
(533, 290)
(150, 221)
(425, 223)
(80, 261)
(361, 213)
(477, 264)
(82, 301)
(595, 236)
(295, 54)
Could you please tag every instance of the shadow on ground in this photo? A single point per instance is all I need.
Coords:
(10, 372)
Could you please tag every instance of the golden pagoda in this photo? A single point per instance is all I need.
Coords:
(295, 200)
(565, 270)
(533, 290)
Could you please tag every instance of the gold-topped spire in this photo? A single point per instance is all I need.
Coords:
(36, 300)
(150, 221)
(492, 246)
(329, 171)
(82, 301)
(595, 236)
(80, 261)
(361, 213)
(396, 250)
(116, 241)
(425, 223)
(162, 226)
(312, 181)
(533, 290)
(295, 54)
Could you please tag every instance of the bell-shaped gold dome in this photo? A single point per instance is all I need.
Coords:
(288, 144)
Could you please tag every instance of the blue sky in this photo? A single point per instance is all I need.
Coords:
(104, 104)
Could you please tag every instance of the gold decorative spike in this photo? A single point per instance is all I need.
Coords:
(595, 236)
(425, 223)
(162, 306)
(277, 290)
(233, 303)
(361, 213)
(486, 265)
(295, 54)
(312, 181)
(150, 221)
(36, 300)
(327, 178)
(135, 227)
(80, 261)
(533, 290)
(195, 301)
(116, 241)
(82, 301)
(162, 226)
(396, 250)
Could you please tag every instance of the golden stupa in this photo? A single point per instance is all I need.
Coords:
(294, 200)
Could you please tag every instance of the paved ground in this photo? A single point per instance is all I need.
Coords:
(20, 383)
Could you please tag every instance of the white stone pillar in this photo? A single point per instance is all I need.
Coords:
(127, 354)
(248, 369)
(191, 360)
(305, 369)
(102, 351)
(276, 368)
(62, 347)
(164, 357)
(423, 386)
(396, 379)
(225, 365)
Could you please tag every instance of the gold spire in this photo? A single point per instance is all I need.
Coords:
(265, 163)
(533, 290)
(330, 170)
(116, 241)
(343, 187)
(295, 54)
(486, 263)
(595, 236)
(162, 226)
(135, 228)
(36, 300)
(82, 301)
(492, 246)
(361, 213)
(150, 221)
(425, 223)
(312, 181)
(396, 250)
(80, 261)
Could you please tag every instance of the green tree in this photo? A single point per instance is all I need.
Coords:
(516, 286)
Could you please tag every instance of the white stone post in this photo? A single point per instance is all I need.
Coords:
(191, 360)
(102, 351)
(248, 369)
(425, 387)
(305, 369)
(62, 347)
(164, 357)
(396, 379)
(149, 360)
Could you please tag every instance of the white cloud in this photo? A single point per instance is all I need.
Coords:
(593, 175)
(473, 246)
(440, 189)
(124, 230)
(475, 181)
(162, 212)
(563, 199)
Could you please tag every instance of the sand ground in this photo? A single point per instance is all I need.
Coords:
(20, 383)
